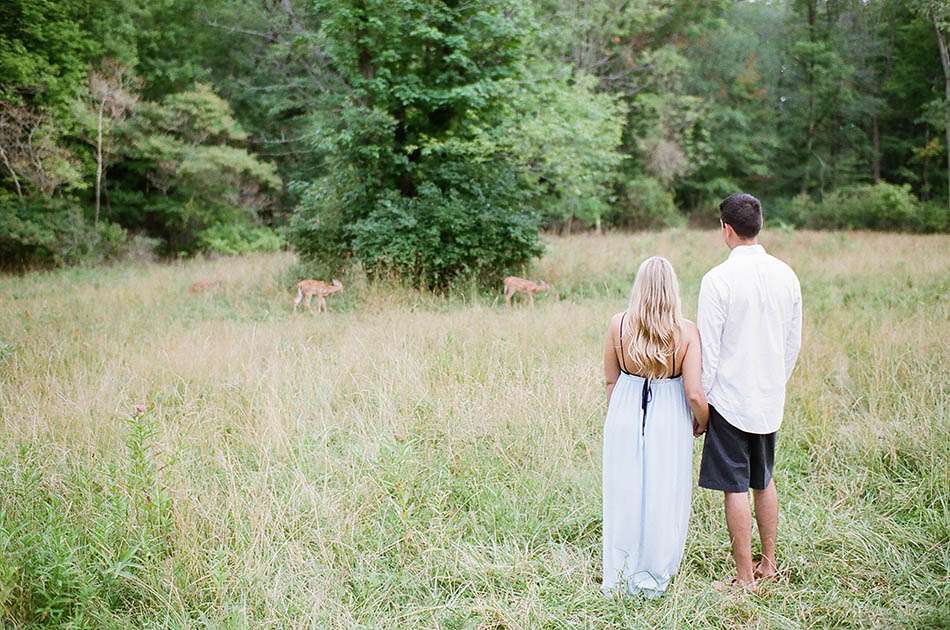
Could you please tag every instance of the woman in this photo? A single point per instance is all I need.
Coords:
(652, 367)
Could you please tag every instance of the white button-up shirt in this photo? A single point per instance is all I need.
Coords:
(750, 324)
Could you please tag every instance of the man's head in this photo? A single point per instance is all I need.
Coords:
(741, 218)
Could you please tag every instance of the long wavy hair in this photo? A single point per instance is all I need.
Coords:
(655, 317)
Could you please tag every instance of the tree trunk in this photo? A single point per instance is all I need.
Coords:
(812, 15)
(16, 181)
(102, 105)
(876, 143)
(945, 60)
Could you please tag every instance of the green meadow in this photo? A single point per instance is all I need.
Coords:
(413, 460)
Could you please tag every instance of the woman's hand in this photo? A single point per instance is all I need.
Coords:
(700, 426)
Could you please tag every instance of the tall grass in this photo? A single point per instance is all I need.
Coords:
(412, 460)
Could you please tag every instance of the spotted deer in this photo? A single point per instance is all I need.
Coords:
(203, 285)
(309, 288)
(514, 284)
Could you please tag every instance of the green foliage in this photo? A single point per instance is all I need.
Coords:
(50, 232)
(182, 147)
(73, 554)
(645, 204)
(43, 50)
(565, 136)
(409, 186)
(535, 111)
(436, 238)
(734, 69)
(880, 206)
(239, 238)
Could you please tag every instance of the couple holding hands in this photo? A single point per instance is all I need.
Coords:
(669, 380)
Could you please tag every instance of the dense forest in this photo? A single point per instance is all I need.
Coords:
(435, 138)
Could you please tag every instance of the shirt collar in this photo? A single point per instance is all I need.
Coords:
(746, 250)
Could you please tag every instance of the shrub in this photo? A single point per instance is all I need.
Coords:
(880, 206)
(645, 204)
(934, 217)
(437, 238)
(794, 211)
(239, 238)
(49, 232)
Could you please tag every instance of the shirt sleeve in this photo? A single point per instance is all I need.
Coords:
(711, 317)
(793, 335)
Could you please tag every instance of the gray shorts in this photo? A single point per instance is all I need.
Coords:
(733, 460)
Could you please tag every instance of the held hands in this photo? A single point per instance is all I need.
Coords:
(699, 427)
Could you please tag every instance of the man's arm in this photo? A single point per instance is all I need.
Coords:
(793, 336)
(711, 318)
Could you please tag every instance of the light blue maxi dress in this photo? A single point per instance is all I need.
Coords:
(647, 485)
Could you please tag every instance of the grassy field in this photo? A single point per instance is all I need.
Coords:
(420, 461)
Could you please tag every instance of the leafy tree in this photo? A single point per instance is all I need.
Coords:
(407, 185)
(565, 136)
(735, 68)
(938, 111)
(185, 151)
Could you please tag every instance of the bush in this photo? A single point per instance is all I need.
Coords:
(51, 232)
(239, 238)
(437, 238)
(880, 206)
(645, 204)
(934, 217)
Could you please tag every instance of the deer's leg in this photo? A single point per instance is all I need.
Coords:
(298, 299)
(531, 298)
(322, 305)
(509, 292)
(309, 300)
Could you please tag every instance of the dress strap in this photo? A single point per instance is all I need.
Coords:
(623, 355)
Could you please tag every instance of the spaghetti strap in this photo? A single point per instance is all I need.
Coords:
(623, 357)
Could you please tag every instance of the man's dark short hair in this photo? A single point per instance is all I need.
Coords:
(743, 212)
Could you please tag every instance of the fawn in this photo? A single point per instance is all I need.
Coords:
(203, 285)
(310, 288)
(514, 284)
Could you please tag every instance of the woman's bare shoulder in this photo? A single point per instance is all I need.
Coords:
(613, 326)
(690, 330)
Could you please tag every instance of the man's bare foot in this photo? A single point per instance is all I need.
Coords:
(734, 586)
(765, 569)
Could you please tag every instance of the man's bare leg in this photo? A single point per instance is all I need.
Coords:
(766, 517)
(739, 522)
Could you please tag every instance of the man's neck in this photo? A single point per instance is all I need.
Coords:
(743, 243)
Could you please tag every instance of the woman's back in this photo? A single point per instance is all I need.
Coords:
(647, 482)
(652, 372)
(620, 328)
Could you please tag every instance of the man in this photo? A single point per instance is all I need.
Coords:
(750, 323)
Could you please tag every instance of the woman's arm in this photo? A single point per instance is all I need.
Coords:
(611, 365)
(693, 381)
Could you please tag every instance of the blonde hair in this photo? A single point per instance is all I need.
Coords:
(655, 317)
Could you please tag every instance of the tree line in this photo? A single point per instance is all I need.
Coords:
(434, 138)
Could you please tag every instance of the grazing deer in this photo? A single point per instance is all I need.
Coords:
(203, 285)
(514, 284)
(310, 288)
